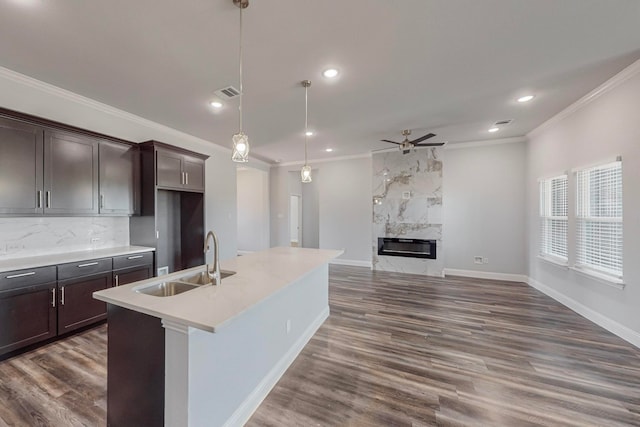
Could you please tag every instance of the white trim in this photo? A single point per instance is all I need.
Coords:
(486, 275)
(176, 327)
(255, 398)
(483, 143)
(330, 159)
(351, 262)
(112, 111)
(610, 325)
(616, 282)
(552, 260)
(607, 86)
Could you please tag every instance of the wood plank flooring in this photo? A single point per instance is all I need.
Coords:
(397, 350)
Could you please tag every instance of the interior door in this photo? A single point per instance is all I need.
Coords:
(295, 216)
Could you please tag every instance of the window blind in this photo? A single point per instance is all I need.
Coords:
(554, 217)
(599, 219)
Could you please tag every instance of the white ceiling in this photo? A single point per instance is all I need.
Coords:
(452, 67)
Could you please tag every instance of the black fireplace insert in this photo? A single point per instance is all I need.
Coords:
(414, 248)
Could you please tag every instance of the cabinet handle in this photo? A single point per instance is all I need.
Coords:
(39, 201)
(62, 295)
(89, 264)
(182, 179)
(135, 257)
(117, 281)
(53, 297)
(15, 276)
(186, 178)
(102, 201)
(48, 199)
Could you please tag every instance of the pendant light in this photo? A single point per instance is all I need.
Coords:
(305, 172)
(240, 152)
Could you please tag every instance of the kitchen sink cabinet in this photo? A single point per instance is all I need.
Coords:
(178, 171)
(21, 160)
(27, 307)
(117, 165)
(70, 174)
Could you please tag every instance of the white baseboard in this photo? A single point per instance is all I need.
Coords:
(610, 325)
(255, 398)
(351, 262)
(486, 275)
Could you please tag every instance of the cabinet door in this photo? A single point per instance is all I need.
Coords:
(76, 305)
(194, 173)
(116, 178)
(27, 316)
(169, 169)
(130, 275)
(21, 154)
(70, 174)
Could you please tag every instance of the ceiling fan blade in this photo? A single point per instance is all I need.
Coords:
(393, 142)
(429, 144)
(422, 138)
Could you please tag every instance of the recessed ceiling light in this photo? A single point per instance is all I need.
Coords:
(309, 133)
(494, 130)
(330, 73)
(526, 98)
(328, 150)
(216, 104)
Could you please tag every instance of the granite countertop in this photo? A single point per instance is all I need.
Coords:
(258, 276)
(61, 258)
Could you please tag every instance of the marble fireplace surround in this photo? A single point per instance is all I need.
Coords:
(407, 203)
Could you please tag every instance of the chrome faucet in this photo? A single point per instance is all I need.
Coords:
(214, 275)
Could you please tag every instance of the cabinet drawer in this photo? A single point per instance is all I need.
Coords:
(22, 278)
(84, 268)
(132, 260)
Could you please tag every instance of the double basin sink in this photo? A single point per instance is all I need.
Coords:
(180, 285)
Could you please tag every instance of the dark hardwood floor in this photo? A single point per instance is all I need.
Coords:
(397, 350)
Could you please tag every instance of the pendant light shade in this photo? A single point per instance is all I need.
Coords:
(240, 153)
(305, 172)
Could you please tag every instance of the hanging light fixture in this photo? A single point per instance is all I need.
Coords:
(305, 172)
(240, 152)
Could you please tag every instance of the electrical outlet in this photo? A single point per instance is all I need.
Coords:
(95, 239)
(477, 260)
(485, 260)
(288, 325)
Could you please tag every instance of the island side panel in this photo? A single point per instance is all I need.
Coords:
(135, 369)
(232, 370)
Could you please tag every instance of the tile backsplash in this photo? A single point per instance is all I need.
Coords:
(24, 237)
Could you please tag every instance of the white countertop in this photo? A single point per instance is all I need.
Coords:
(61, 258)
(258, 276)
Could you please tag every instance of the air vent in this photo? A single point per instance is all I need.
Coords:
(228, 92)
(503, 122)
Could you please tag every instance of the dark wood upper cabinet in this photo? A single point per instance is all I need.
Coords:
(178, 171)
(70, 174)
(21, 157)
(117, 178)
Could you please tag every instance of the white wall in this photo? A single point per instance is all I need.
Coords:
(602, 126)
(484, 207)
(21, 93)
(253, 209)
(344, 199)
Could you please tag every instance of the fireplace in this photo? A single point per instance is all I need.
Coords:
(414, 248)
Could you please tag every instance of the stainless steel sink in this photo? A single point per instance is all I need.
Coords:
(166, 289)
(202, 278)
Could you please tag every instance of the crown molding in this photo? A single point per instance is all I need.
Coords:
(604, 88)
(48, 88)
(330, 159)
(484, 143)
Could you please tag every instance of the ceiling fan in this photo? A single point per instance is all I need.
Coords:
(406, 145)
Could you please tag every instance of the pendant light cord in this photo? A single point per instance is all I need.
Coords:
(241, 91)
(306, 117)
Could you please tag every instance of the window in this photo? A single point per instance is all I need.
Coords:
(554, 218)
(599, 219)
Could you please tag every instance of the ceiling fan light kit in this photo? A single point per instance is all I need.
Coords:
(240, 153)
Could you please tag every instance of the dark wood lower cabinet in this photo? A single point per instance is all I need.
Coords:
(130, 275)
(77, 307)
(135, 369)
(27, 316)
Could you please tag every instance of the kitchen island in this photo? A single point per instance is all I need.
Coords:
(223, 347)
